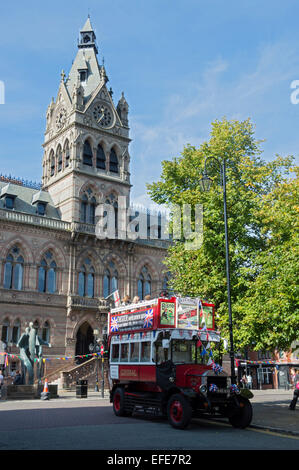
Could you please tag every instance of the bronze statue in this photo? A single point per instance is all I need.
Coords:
(30, 345)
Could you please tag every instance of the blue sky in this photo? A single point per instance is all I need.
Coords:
(181, 64)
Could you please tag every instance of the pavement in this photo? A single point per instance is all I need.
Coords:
(270, 409)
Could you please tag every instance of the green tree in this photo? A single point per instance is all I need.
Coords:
(270, 305)
(250, 180)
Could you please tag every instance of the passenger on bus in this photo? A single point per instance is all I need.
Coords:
(136, 299)
(164, 294)
(126, 300)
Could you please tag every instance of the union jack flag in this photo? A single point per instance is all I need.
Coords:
(114, 325)
(148, 320)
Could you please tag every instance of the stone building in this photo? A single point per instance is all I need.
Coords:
(55, 270)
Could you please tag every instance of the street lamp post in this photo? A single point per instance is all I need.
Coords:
(103, 379)
(96, 350)
(205, 183)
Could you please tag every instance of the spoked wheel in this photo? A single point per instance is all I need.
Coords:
(179, 411)
(119, 402)
(242, 418)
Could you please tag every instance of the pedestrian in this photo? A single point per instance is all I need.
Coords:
(244, 380)
(1, 381)
(296, 391)
(18, 378)
(249, 381)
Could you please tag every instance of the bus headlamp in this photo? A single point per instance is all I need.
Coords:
(202, 389)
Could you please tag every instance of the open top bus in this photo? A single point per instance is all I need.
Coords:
(159, 363)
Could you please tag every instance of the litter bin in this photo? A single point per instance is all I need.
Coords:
(81, 388)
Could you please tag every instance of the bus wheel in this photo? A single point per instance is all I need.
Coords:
(179, 411)
(119, 402)
(242, 418)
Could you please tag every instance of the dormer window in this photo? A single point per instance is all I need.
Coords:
(40, 200)
(41, 208)
(9, 194)
(9, 202)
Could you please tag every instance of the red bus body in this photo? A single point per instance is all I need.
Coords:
(159, 361)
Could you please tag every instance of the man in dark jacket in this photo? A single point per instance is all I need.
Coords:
(18, 378)
(296, 391)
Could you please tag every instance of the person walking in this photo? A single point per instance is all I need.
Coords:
(296, 391)
(1, 381)
(244, 380)
(249, 381)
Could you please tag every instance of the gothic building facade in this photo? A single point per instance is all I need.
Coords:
(55, 270)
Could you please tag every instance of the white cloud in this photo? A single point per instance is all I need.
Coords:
(219, 92)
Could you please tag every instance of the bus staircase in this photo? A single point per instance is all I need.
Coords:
(67, 376)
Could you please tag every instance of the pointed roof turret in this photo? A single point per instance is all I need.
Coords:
(87, 28)
(87, 36)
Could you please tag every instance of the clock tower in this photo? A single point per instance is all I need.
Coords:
(86, 157)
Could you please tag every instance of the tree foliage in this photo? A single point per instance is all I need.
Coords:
(261, 206)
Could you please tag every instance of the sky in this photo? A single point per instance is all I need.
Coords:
(180, 63)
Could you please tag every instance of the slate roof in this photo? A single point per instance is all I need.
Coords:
(26, 198)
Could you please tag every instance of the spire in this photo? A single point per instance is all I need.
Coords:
(87, 28)
(87, 36)
(103, 74)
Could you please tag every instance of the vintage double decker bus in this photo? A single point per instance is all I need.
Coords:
(159, 362)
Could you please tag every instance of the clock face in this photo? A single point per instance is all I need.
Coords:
(103, 115)
(60, 118)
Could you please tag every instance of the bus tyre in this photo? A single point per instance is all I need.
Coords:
(179, 411)
(119, 402)
(243, 416)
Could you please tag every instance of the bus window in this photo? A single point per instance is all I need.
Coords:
(124, 352)
(145, 351)
(134, 352)
(183, 351)
(115, 353)
(161, 354)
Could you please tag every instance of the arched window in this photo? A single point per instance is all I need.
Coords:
(92, 210)
(86, 279)
(5, 331)
(52, 163)
(88, 207)
(84, 205)
(111, 200)
(47, 274)
(46, 332)
(101, 158)
(113, 162)
(13, 270)
(16, 331)
(67, 154)
(87, 154)
(59, 158)
(144, 284)
(110, 279)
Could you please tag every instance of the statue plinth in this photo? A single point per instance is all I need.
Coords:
(29, 392)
